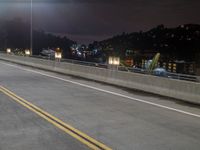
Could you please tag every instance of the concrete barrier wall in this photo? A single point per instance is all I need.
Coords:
(182, 90)
(198, 71)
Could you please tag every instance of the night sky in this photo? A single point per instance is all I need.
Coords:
(88, 20)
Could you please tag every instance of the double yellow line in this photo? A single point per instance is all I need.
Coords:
(82, 137)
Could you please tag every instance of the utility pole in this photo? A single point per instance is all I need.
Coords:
(31, 27)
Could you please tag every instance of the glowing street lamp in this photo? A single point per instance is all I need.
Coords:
(58, 54)
(8, 50)
(27, 52)
(114, 61)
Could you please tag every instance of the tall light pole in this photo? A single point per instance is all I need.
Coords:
(31, 27)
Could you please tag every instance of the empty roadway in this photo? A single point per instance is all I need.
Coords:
(21, 129)
(119, 118)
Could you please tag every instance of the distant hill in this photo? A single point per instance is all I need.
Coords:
(16, 34)
(182, 42)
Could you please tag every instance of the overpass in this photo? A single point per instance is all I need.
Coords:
(44, 109)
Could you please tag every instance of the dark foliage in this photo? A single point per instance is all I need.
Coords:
(181, 43)
(16, 34)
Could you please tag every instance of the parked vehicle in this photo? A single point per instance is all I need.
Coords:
(160, 72)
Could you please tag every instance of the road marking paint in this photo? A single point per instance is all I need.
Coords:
(106, 91)
(82, 137)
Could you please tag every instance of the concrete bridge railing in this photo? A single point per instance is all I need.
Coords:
(182, 90)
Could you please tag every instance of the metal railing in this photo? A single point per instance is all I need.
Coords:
(169, 75)
(74, 61)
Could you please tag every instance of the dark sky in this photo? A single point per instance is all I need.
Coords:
(88, 20)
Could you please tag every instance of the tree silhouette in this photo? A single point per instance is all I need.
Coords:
(16, 34)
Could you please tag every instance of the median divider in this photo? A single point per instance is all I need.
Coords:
(178, 89)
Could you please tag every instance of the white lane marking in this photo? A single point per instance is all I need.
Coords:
(106, 91)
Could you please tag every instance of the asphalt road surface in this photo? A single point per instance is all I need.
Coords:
(119, 118)
(21, 129)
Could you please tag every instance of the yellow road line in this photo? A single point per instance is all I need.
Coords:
(82, 137)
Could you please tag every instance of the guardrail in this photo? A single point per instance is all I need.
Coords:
(86, 63)
(179, 89)
(128, 69)
(170, 75)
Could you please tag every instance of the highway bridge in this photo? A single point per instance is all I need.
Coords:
(46, 110)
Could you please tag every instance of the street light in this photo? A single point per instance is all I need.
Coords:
(31, 27)
(114, 62)
(27, 52)
(58, 54)
(8, 50)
